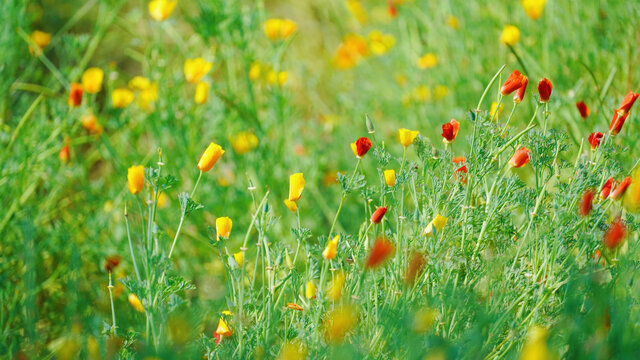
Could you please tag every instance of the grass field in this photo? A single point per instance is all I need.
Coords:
(321, 179)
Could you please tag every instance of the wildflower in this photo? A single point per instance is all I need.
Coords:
(416, 264)
(294, 306)
(41, 39)
(275, 77)
(453, 22)
(535, 347)
(279, 29)
(255, 71)
(161, 9)
(196, 69)
(615, 234)
(544, 89)
(334, 292)
(422, 93)
(350, 52)
(339, 322)
(427, 61)
(112, 262)
(162, 200)
(380, 252)
(380, 43)
(239, 257)
(90, 123)
(331, 249)
(583, 109)
(75, 95)
(627, 103)
(510, 35)
(586, 203)
(520, 158)
(519, 95)
(223, 227)
(440, 92)
(357, 10)
(390, 177)
(361, 147)
(210, 156)
(134, 301)
(377, 215)
(533, 8)
(92, 80)
(296, 186)
(139, 83)
(423, 320)
(606, 188)
(594, 139)
(293, 351)
(513, 83)
(494, 108)
(135, 177)
(392, 9)
(631, 200)
(461, 173)
(121, 98)
(617, 122)
(65, 152)
(244, 142)
(291, 205)
(407, 136)
(202, 93)
(621, 188)
(223, 329)
(450, 131)
(438, 223)
(310, 290)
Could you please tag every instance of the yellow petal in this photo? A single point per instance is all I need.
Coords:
(296, 186)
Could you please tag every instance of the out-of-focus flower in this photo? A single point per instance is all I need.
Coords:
(135, 178)
(390, 177)
(293, 351)
(361, 147)
(416, 264)
(223, 227)
(223, 329)
(494, 108)
(453, 22)
(334, 292)
(621, 188)
(615, 234)
(510, 35)
(440, 91)
(277, 77)
(90, 123)
(255, 70)
(65, 151)
(379, 253)
(450, 131)
(519, 95)
(135, 302)
(583, 109)
(586, 202)
(121, 98)
(606, 188)
(513, 83)
(427, 61)
(535, 347)
(243, 142)
(438, 223)
(520, 158)
(377, 215)
(139, 83)
(196, 69)
(423, 320)
(202, 93)
(544, 89)
(310, 290)
(594, 139)
(92, 80)
(350, 52)
(239, 257)
(41, 39)
(392, 9)
(339, 322)
(148, 96)
(210, 156)
(357, 10)
(380, 43)
(279, 29)
(161, 9)
(163, 199)
(421, 93)
(294, 306)
(296, 186)
(631, 200)
(407, 136)
(533, 8)
(331, 250)
(111, 262)
(75, 95)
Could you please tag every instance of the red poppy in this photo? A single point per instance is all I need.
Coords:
(621, 188)
(363, 145)
(461, 173)
(586, 203)
(513, 83)
(615, 234)
(617, 122)
(377, 216)
(627, 103)
(75, 95)
(111, 262)
(544, 89)
(606, 188)
(450, 131)
(520, 158)
(65, 153)
(583, 109)
(380, 251)
(594, 139)
(393, 11)
(520, 93)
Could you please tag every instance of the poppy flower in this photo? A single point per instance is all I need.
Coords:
(377, 216)
(75, 95)
(586, 203)
(135, 302)
(361, 147)
(416, 264)
(438, 223)
(606, 188)
(135, 178)
(520, 158)
(594, 139)
(519, 95)
(294, 306)
(627, 103)
(617, 122)
(510, 36)
(210, 156)
(92, 80)
(615, 234)
(161, 9)
(330, 251)
(621, 188)
(407, 136)
(223, 227)
(544, 89)
(461, 173)
(196, 69)
(223, 329)
(65, 151)
(513, 83)
(380, 251)
(583, 109)
(310, 290)
(450, 131)
(111, 262)
(390, 177)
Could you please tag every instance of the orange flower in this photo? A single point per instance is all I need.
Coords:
(331, 250)
(627, 103)
(461, 173)
(90, 123)
(65, 152)
(617, 122)
(450, 131)
(377, 216)
(75, 95)
(544, 89)
(417, 263)
(606, 188)
(583, 109)
(621, 188)
(361, 147)
(135, 178)
(519, 95)
(594, 139)
(210, 156)
(586, 203)
(294, 306)
(615, 234)
(513, 83)
(380, 251)
(520, 158)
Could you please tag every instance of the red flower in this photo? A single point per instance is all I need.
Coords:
(513, 83)
(520, 93)
(378, 214)
(416, 265)
(617, 122)
(583, 108)
(362, 146)
(380, 251)
(586, 203)
(520, 158)
(111, 262)
(621, 188)
(606, 188)
(217, 337)
(627, 103)
(65, 152)
(544, 89)
(393, 12)
(615, 234)
(75, 95)
(460, 172)
(594, 139)
(450, 131)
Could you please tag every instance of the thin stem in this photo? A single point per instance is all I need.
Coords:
(133, 255)
(113, 310)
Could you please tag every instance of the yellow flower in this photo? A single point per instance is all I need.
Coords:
(350, 52)
(255, 71)
(41, 39)
(423, 320)
(407, 136)
(147, 97)
(440, 92)
(92, 80)
(291, 205)
(287, 28)
(310, 290)
(631, 200)
(223, 328)
(339, 322)
(533, 8)
(334, 292)
(427, 61)
(211, 155)
(196, 69)
(380, 43)
(332, 248)
(535, 347)
(135, 178)
(239, 257)
(390, 177)
(139, 83)
(422, 93)
(438, 223)
(282, 29)
(510, 35)
(90, 123)
(453, 22)
(401, 79)
(293, 351)
(135, 303)
(161, 9)
(357, 10)
(163, 199)
(223, 227)
(494, 107)
(121, 98)
(244, 142)
(202, 93)
(274, 77)
(296, 186)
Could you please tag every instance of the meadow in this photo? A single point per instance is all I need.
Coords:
(319, 179)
